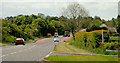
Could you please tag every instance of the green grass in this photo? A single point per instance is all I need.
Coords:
(72, 50)
(55, 48)
(80, 58)
(93, 50)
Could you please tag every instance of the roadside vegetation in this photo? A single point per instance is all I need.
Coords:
(67, 48)
(92, 41)
(80, 58)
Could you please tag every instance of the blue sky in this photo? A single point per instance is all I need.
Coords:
(107, 9)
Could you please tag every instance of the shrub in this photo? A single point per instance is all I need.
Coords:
(111, 53)
(115, 34)
(10, 39)
(92, 41)
(93, 27)
(88, 39)
(96, 27)
(111, 46)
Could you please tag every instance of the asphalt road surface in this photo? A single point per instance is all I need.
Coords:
(29, 52)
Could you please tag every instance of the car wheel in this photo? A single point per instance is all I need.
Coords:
(16, 43)
(23, 43)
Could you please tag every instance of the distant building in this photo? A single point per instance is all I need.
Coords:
(110, 29)
(103, 25)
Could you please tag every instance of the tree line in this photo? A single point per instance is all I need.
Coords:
(74, 18)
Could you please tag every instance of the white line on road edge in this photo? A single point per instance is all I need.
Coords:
(45, 56)
(48, 54)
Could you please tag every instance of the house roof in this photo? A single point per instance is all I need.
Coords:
(103, 25)
(111, 29)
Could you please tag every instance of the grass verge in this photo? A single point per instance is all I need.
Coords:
(66, 47)
(80, 58)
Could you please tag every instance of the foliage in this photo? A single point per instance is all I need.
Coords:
(91, 41)
(111, 46)
(88, 39)
(31, 26)
(115, 34)
(118, 25)
(75, 12)
(95, 27)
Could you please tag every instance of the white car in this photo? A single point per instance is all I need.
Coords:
(56, 40)
(56, 34)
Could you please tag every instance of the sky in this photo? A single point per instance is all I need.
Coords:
(107, 9)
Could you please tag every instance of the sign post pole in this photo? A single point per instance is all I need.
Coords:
(102, 42)
(104, 36)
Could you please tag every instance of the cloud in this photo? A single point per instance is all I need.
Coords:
(60, 0)
(106, 10)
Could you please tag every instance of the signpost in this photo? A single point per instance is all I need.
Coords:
(104, 35)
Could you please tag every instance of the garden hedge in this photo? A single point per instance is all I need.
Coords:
(88, 39)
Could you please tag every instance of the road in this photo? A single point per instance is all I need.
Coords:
(29, 52)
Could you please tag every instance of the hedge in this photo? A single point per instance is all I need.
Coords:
(111, 46)
(92, 41)
(88, 39)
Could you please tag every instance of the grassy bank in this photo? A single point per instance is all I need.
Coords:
(69, 46)
(94, 50)
(80, 58)
(66, 47)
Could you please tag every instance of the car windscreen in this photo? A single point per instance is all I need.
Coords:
(19, 39)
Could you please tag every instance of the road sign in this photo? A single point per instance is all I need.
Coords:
(105, 35)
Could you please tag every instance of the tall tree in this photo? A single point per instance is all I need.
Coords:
(73, 11)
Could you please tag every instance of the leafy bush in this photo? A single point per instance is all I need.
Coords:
(9, 38)
(88, 39)
(114, 38)
(91, 41)
(95, 27)
(115, 34)
(111, 46)
(111, 53)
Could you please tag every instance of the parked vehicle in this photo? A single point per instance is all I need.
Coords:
(56, 40)
(49, 34)
(67, 34)
(19, 41)
(56, 34)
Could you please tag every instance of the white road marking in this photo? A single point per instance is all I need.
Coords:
(48, 54)
(45, 56)
(18, 51)
(4, 55)
(13, 53)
